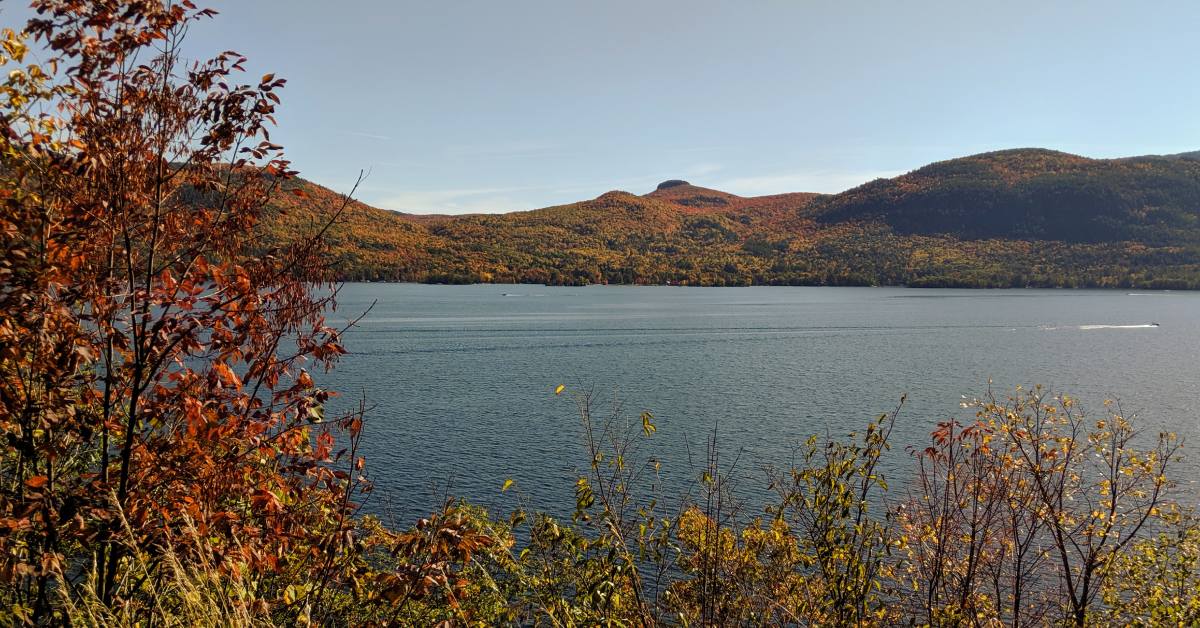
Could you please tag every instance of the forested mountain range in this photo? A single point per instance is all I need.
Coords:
(1025, 217)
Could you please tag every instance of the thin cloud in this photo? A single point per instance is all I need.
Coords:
(700, 170)
(685, 150)
(514, 148)
(494, 200)
(458, 200)
(828, 182)
(501, 199)
(371, 136)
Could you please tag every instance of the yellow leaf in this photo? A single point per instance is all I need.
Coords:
(561, 387)
(507, 483)
(648, 423)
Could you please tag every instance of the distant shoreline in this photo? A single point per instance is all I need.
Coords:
(1153, 291)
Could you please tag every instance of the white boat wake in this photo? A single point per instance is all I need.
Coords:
(1089, 327)
(1147, 326)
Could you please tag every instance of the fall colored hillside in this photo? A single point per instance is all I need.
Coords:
(1026, 217)
(1037, 195)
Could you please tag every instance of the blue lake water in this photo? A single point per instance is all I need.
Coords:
(461, 379)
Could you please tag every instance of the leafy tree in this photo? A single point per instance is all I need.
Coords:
(153, 376)
(1022, 515)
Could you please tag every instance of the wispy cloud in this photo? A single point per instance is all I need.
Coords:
(499, 199)
(699, 170)
(491, 200)
(500, 150)
(687, 150)
(370, 136)
(810, 181)
(485, 200)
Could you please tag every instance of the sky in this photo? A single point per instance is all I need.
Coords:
(461, 106)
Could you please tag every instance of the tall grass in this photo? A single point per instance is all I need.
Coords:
(163, 588)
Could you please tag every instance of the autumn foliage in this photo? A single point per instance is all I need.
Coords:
(168, 458)
(1012, 219)
(154, 377)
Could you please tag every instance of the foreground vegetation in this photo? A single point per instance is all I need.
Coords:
(169, 460)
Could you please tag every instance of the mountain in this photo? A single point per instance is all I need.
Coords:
(1195, 154)
(1033, 194)
(1026, 217)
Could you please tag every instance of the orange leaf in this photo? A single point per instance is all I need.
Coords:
(226, 375)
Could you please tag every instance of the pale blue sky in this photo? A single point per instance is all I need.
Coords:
(484, 105)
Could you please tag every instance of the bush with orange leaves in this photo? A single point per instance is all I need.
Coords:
(152, 361)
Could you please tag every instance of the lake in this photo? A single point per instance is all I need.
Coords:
(461, 379)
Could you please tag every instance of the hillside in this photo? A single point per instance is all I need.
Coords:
(1033, 194)
(1027, 217)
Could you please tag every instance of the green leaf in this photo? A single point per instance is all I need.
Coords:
(583, 495)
